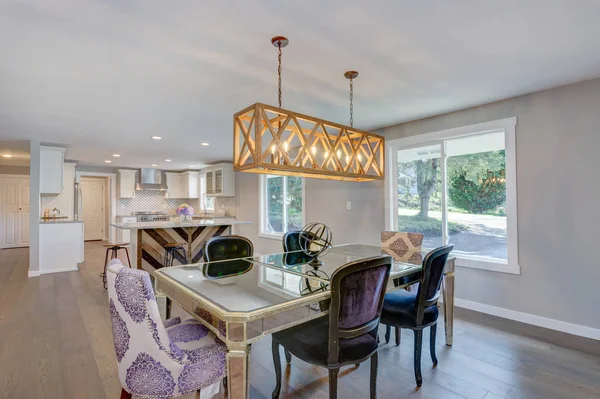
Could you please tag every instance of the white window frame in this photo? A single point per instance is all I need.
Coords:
(262, 208)
(507, 125)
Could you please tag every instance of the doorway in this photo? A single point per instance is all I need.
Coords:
(14, 212)
(93, 213)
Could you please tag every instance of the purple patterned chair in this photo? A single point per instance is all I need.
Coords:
(157, 360)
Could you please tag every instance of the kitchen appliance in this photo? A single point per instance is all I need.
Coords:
(150, 179)
(145, 216)
(78, 202)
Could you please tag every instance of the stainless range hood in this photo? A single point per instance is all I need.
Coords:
(150, 180)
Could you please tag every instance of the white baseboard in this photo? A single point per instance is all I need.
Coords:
(68, 269)
(552, 324)
(33, 273)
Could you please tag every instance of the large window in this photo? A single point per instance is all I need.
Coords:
(459, 187)
(281, 205)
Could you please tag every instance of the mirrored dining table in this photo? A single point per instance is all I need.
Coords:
(244, 300)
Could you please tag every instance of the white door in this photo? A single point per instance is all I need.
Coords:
(92, 193)
(15, 212)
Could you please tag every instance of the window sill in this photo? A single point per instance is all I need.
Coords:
(489, 265)
(271, 236)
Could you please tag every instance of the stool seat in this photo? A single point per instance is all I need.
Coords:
(115, 244)
(176, 245)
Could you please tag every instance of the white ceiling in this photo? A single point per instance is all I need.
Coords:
(104, 76)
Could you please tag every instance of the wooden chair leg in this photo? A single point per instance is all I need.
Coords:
(418, 345)
(374, 376)
(128, 259)
(388, 331)
(432, 334)
(277, 365)
(288, 356)
(333, 377)
(398, 335)
(125, 394)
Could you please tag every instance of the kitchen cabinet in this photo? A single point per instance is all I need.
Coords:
(126, 233)
(51, 169)
(174, 185)
(126, 183)
(183, 185)
(220, 180)
(61, 246)
(190, 184)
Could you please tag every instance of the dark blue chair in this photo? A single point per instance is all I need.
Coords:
(348, 336)
(291, 241)
(418, 310)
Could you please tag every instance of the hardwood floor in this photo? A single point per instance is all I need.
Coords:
(56, 343)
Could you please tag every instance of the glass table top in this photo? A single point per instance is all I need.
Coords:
(251, 284)
(242, 285)
(297, 262)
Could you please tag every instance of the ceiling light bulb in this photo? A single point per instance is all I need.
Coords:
(154, 165)
(204, 144)
(314, 150)
(339, 154)
(286, 146)
(273, 149)
(167, 160)
(156, 138)
(326, 154)
(192, 166)
(347, 158)
(116, 155)
(7, 155)
(359, 158)
(108, 161)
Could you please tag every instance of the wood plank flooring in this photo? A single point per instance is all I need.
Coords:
(56, 343)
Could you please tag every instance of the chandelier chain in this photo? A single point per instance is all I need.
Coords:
(279, 72)
(351, 104)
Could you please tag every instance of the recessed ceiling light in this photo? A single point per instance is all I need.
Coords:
(108, 161)
(154, 164)
(116, 155)
(7, 155)
(156, 138)
(192, 166)
(204, 144)
(167, 160)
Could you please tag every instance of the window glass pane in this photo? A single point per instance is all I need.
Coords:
(477, 195)
(274, 204)
(420, 193)
(294, 203)
(210, 203)
(291, 283)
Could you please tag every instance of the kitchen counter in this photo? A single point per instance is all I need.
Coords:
(59, 221)
(178, 224)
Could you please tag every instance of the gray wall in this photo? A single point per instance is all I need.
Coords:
(35, 207)
(326, 203)
(558, 143)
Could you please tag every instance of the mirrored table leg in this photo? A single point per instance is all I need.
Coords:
(449, 301)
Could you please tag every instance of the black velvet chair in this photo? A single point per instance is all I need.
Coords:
(227, 248)
(348, 335)
(418, 310)
(291, 241)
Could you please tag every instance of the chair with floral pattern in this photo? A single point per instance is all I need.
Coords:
(156, 359)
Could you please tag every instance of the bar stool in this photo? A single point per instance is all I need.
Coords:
(113, 248)
(171, 248)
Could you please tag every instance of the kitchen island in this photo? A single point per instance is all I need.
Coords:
(148, 239)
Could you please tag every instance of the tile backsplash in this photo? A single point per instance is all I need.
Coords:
(152, 201)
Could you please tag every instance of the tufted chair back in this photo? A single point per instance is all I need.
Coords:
(151, 365)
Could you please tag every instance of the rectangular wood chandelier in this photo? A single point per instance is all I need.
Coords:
(272, 140)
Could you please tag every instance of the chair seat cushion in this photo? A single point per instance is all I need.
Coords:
(192, 341)
(399, 310)
(310, 342)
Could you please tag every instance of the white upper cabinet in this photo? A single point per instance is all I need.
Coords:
(174, 185)
(51, 165)
(126, 183)
(220, 180)
(190, 184)
(183, 185)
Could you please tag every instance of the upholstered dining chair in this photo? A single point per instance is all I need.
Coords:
(401, 243)
(348, 336)
(418, 310)
(156, 359)
(227, 248)
(291, 241)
